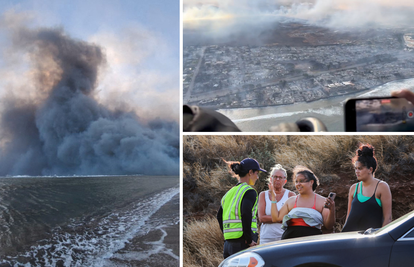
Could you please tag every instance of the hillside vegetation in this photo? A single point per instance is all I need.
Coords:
(206, 178)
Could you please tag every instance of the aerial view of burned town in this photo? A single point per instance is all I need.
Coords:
(293, 61)
(315, 63)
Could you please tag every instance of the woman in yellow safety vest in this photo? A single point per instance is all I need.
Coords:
(237, 214)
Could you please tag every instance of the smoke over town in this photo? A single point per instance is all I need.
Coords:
(221, 19)
(54, 125)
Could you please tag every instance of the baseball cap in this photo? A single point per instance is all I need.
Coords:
(251, 164)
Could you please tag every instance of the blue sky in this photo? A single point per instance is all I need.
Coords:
(140, 39)
(82, 18)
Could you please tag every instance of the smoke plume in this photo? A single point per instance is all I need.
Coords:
(57, 127)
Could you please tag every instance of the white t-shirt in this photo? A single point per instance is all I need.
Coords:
(270, 232)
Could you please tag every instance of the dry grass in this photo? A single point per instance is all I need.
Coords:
(203, 243)
(325, 155)
(206, 178)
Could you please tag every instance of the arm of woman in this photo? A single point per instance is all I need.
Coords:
(328, 214)
(277, 215)
(220, 217)
(263, 218)
(386, 201)
(247, 204)
(350, 198)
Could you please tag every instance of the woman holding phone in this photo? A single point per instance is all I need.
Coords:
(304, 214)
(369, 201)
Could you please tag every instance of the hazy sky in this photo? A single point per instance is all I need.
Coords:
(340, 14)
(140, 40)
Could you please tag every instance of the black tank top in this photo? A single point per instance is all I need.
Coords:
(364, 215)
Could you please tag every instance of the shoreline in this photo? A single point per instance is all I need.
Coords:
(215, 107)
(136, 252)
(159, 246)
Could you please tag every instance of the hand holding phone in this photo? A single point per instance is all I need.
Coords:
(404, 93)
(379, 114)
(332, 197)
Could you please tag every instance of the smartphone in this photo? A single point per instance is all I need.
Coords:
(379, 114)
(332, 196)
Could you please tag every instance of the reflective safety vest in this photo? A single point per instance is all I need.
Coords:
(231, 204)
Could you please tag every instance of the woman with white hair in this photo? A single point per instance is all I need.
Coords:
(270, 231)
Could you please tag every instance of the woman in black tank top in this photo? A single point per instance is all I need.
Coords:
(369, 201)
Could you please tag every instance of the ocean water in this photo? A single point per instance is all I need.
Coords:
(89, 221)
(329, 111)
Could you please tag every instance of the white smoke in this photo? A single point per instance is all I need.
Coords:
(223, 18)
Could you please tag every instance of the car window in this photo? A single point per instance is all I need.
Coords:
(410, 234)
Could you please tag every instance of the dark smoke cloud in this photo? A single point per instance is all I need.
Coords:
(61, 129)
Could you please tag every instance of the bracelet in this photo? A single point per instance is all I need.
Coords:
(273, 202)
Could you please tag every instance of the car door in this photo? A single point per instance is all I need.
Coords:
(402, 253)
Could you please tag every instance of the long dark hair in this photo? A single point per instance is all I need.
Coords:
(365, 155)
